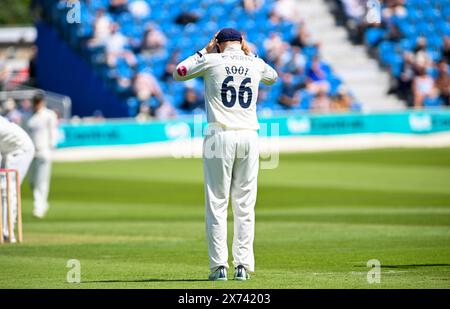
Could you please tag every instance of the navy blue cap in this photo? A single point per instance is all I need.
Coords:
(228, 34)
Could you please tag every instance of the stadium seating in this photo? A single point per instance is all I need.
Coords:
(414, 19)
(182, 39)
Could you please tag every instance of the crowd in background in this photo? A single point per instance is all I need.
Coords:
(16, 112)
(412, 41)
(136, 44)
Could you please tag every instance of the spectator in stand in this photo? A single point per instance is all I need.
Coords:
(171, 65)
(287, 10)
(192, 102)
(118, 6)
(139, 9)
(26, 108)
(393, 8)
(342, 101)
(404, 82)
(317, 77)
(102, 28)
(274, 19)
(443, 83)
(274, 47)
(124, 82)
(146, 86)
(11, 112)
(303, 37)
(185, 18)
(423, 87)
(294, 61)
(290, 92)
(144, 113)
(446, 49)
(165, 111)
(421, 57)
(392, 11)
(252, 5)
(116, 47)
(355, 10)
(321, 103)
(373, 12)
(154, 41)
(394, 34)
(353, 16)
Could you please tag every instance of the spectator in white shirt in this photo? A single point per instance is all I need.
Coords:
(117, 47)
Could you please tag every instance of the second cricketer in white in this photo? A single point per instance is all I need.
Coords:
(16, 152)
(43, 129)
(230, 149)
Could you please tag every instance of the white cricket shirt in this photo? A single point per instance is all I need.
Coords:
(12, 137)
(43, 130)
(231, 85)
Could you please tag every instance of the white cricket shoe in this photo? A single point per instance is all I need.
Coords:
(220, 274)
(241, 274)
(12, 240)
(40, 214)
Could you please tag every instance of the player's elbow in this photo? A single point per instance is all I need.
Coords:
(275, 77)
(270, 81)
(179, 74)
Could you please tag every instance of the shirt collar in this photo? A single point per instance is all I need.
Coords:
(233, 48)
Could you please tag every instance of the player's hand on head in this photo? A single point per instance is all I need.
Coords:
(246, 48)
(211, 46)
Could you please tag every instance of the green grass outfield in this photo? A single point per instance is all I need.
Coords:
(320, 218)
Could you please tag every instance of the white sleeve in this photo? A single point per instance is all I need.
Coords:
(192, 67)
(268, 75)
(53, 129)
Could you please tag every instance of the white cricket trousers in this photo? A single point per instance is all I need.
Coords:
(231, 162)
(19, 160)
(39, 177)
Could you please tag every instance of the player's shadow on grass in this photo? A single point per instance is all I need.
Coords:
(409, 265)
(145, 280)
(413, 265)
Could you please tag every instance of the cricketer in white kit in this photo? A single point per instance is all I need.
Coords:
(16, 152)
(43, 129)
(230, 149)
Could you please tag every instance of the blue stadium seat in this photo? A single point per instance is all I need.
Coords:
(373, 36)
(432, 102)
(306, 99)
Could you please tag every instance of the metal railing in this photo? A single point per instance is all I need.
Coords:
(61, 104)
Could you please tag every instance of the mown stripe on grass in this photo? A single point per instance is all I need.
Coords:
(157, 192)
